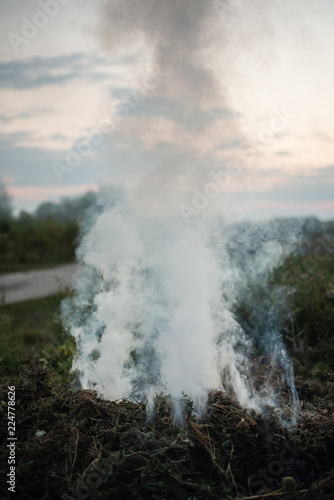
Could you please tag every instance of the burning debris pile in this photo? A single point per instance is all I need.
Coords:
(190, 314)
(74, 445)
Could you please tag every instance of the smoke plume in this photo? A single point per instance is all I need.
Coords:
(166, 302)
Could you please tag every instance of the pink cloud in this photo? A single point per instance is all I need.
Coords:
(42, 193)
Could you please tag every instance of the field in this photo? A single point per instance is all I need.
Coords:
(71, 444)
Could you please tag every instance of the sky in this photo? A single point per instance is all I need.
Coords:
(91, 94)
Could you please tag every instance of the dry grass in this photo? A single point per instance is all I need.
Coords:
(100, 449)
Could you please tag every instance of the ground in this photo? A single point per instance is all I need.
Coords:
(73, 445)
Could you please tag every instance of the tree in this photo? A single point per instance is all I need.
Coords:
(5, 201)
(66, 210)
(5, 208)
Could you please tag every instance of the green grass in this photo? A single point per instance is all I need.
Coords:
(309, 332)
(31, 329)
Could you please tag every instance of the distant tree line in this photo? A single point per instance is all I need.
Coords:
(47, 236)
(50, 234)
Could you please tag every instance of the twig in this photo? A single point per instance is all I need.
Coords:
(272, 495)
(75, 453)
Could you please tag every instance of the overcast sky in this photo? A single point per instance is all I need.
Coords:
(65, 78)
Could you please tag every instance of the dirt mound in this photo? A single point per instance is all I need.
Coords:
(73, 445)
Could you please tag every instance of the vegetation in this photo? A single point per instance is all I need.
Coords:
(310, 331)
(30, 241)
(47, 237)
(71, 444)
(74, 445)
(31, 330)
(309, 274)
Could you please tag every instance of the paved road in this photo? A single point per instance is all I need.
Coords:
(28, 285)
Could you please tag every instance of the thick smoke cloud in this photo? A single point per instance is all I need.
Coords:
(181, 115)
(180, 36)
(157, 305)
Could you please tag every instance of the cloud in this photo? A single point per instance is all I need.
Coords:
(283, 153)
(26, 115)
(7, 141)
(41, 193)
(316, 187)
(188, 115)
(32, 166)
(38, 71)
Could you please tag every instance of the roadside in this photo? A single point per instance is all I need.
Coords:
(23, 267)
(35, 284)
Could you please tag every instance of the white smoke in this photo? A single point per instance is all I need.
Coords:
(157, 304)
(156, 307)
